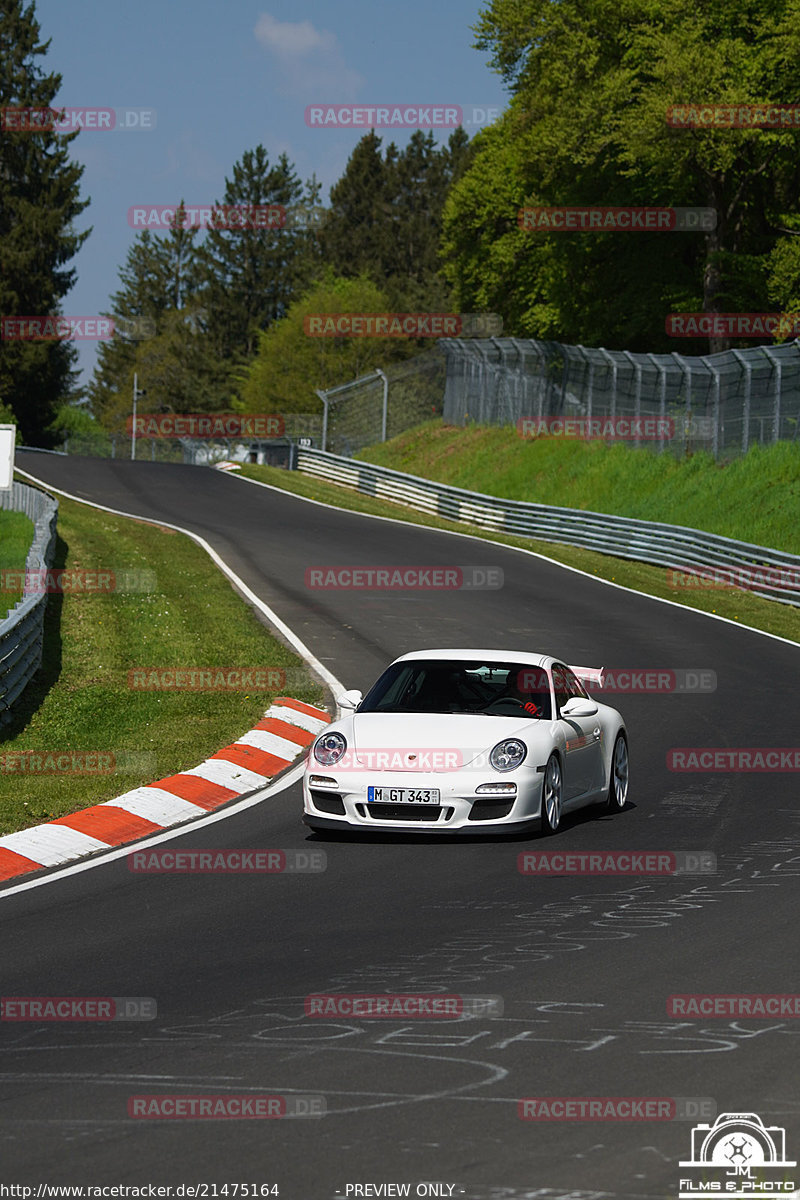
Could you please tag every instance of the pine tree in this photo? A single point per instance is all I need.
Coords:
(39, 201)
(160, 278)
(251, 274)
(357, 234)
(385, 217)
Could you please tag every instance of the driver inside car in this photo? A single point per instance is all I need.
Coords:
(528, 686)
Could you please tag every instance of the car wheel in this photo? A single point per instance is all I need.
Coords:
(618, 784)
(551, 795)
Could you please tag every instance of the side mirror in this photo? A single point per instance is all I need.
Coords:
(349, 701)
(578, 707)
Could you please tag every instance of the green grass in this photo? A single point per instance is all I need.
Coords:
(16, 536)
(82, 700)
(780, 619)
(755, 498)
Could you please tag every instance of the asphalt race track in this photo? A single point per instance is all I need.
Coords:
(584, 965)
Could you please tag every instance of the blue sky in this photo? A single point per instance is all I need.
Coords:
(223, 78)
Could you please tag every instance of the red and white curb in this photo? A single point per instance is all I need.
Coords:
(246, 765)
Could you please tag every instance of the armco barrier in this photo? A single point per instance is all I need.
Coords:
(22, 631)
(674, 546)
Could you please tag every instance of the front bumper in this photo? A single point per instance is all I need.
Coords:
(342, 803)
(474, 829)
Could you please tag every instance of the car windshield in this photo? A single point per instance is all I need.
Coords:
(504, 689)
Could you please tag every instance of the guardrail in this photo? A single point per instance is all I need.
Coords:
(776, 575)
(22, 631)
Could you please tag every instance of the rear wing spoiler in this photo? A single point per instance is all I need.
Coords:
(592, 677)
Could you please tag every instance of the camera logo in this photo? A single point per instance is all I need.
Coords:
(741, 1147)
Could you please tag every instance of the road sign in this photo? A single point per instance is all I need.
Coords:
(8, 435)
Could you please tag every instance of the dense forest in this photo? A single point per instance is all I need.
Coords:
(600, 113)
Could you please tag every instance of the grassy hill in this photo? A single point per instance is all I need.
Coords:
(755, 498)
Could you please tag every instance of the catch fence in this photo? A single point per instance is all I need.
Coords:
(723, 403)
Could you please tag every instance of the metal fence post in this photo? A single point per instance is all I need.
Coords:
(715, 386)
(687, 374)
(589, 384)
(324, 398)
(590, 387)
(778, 374)
(613, 362)
(637, 399)
(748, 383)
(662, 400)
(385, 408)
(521, 379)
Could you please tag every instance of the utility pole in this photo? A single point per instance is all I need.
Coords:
(137, 391)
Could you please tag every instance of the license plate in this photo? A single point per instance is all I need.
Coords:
(384, 795)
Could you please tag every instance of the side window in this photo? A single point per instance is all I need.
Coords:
(561, 688)
(574, 685)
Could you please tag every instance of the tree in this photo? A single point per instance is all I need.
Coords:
(290, 365)
(587, 125)
(177, 370)
(251, 274)
(72, 421)
(39, 202)
(385, 217)
(160, 278)
(357, 234)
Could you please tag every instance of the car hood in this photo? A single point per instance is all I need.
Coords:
(439, 742)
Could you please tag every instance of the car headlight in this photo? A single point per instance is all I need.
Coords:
(508, 754)
(329, 748)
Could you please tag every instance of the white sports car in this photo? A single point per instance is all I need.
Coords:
(467, 741)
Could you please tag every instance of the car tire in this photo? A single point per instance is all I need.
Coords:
(618, 781)
(552, 795)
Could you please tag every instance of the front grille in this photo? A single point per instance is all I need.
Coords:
(327, 803)
(402, 812)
